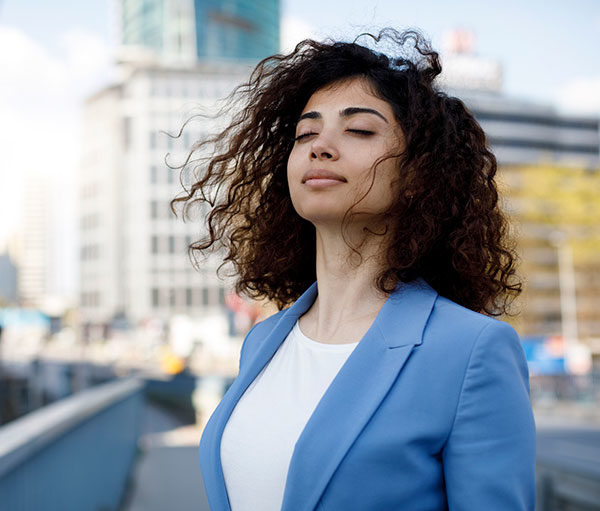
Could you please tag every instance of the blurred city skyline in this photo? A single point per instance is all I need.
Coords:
(55, 55)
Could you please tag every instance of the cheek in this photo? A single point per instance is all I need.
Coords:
(293, 166)
(385, 186)
(293, 177)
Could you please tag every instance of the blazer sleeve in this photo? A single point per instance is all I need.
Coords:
(489, 456)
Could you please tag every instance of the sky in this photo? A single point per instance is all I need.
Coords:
(55, 54)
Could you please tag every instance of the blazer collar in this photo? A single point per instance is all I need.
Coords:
(349, 402)
(400, 312)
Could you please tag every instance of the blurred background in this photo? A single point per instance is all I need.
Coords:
(116, 345)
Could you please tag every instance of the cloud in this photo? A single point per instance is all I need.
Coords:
(580, 95)
(36, 81)
(88, 60)
(41, 95)
(294, 30)
(27, 69)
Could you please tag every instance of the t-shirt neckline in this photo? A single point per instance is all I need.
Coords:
(307, 341)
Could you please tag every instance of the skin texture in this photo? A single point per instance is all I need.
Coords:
(331, 168)
(347, 144)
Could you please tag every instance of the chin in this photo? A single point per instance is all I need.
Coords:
(320, 209)
(321, 215)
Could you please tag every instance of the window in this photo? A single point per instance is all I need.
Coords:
(205, 296)
(155, 297)
(126, 132)
(155, 244)
(153, 174)
(171, 244)
(154, 209)
(153, 140)
(188, 296)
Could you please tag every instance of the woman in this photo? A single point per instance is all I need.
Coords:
(352, 189)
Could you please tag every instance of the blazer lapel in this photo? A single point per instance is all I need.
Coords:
(252, 367)
(356, 392)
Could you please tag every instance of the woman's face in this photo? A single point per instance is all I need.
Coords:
(343, 130)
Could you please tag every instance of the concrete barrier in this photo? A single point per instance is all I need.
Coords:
(73, 454)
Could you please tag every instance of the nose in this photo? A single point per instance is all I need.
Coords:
(323, 149)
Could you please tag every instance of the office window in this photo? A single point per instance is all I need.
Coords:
(188, 296)
(155, 297)
(205, 296)
(126, 132)
(155, 244)
(153, 140)
(154, 174)
(154, 209)
(171, 244)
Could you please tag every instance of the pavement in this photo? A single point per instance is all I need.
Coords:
(166, 476)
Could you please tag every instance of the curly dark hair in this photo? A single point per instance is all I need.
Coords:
(449, 230)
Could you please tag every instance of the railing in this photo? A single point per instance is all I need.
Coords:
(568, 459)
(60, 457)
(551, 387)
(562, 486)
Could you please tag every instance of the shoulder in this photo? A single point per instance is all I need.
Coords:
(456, 320)
(257, 334)
(266, 325)
(463, 336)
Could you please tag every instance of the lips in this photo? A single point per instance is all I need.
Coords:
(322, 174)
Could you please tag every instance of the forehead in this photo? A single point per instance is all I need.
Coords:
(351, 92)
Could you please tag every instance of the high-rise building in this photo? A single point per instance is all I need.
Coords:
(134, 257)
(188, 30)
(519, 131)
(524, 132)
(33, 242)
(177, 57)
(8, 279)
(549, 171)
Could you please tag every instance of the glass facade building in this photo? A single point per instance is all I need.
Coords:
(202, 29)
(237, 29)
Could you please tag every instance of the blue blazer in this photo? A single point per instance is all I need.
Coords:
(430, 412)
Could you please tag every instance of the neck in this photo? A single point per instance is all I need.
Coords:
(348, 299)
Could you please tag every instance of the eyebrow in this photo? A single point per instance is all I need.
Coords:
(346, 112)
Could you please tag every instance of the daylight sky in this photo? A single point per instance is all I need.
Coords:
(55, 53)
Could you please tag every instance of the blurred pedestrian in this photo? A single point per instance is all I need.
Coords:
(352, 190)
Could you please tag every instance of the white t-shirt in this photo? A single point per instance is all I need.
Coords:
(260, 435)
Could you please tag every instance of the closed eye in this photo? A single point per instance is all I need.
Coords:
(304, 135)
(361, 132)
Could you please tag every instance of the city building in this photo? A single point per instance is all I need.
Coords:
(187, 30)
(175, 58)
(519, 131)
(549, 177)
(32, 252)
(134, 259)
(523, 132)
(8, 280)
(556, 213)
